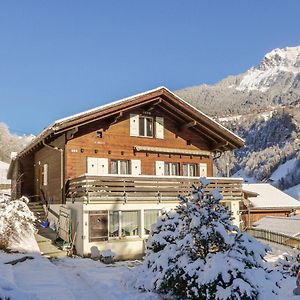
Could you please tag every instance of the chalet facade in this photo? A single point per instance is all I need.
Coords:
(116, 167)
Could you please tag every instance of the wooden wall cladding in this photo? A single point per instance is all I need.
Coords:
(116, 143)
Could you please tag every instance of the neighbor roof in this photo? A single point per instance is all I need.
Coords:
(286, 225)
(163, 97)
(269, 197)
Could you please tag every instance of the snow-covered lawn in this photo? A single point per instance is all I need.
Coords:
(79, 278)
(67, 278)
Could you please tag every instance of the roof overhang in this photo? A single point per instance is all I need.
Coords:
(221, 139)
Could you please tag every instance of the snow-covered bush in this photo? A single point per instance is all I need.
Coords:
(194, 252)
(288, 264)
(16, 221)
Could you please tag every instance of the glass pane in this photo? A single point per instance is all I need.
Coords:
(149, 127)
(113, 223)
(150, 217)
(124, 169)
(185, 169)
(167, 169)
(130, 225)
(193, 170)
(175, 169)
(114, 167)
(142, 126)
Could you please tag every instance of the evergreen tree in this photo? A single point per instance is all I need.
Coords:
(194, 252)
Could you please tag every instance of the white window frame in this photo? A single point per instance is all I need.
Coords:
(170, 168)
(139, 225)
(145, 126)
(119, 166)
(197, 169)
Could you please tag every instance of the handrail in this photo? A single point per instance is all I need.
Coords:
(160, 188)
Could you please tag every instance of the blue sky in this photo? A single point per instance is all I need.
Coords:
(58, 58)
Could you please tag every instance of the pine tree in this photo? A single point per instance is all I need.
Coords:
(194, 252)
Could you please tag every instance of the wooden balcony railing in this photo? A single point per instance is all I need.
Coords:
(146, 188)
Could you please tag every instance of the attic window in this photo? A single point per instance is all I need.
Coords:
(99, 134)
(145, 126)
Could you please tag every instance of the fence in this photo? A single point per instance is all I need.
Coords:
(275, 237)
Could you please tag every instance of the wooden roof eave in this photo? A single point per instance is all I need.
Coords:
(236, 141)
(208, 132)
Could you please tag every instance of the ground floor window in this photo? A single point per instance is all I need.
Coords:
(98, 229)
(150, 217)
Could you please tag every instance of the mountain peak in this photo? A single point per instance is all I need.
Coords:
(276, 65)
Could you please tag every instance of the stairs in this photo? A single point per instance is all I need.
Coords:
(38, 210)
(45, 237)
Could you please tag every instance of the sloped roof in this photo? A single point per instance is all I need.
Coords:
(269, 197)
(164, 98)
(286, 225)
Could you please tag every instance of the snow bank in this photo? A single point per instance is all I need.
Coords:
(16, 225)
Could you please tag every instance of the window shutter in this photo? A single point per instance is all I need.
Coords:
(92, 166)
(203, 170)
(102, 166)
(134, 125)
(45, 175)
(159, 168)
(136, 167)
(159, 127)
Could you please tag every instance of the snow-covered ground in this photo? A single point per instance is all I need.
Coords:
(79, 278)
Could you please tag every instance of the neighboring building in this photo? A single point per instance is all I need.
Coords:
(119, 165)
(263, 199)
(289, 226)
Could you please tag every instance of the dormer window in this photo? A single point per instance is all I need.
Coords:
(145, 126)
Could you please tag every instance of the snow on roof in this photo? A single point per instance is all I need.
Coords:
(269, 196)
(286, 225)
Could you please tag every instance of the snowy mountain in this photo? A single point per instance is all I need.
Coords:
(274, 82)
(262, 106)
(279, 68)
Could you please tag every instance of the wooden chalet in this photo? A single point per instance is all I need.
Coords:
(116, 167)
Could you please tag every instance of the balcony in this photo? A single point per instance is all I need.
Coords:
(128, 188)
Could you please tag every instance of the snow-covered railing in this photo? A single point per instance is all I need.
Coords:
(275, 237)
(142, 188)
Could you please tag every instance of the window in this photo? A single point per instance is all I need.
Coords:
(119, 167)
(172, 169)
(98, 226)
(123, 223)
(114, 225)
(146, 126)
(150, 217)
(45, 174)
(130, 224)
(190, 170)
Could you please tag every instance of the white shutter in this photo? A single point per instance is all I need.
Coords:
(160, 168)
(203, 170)
(45, 177)
(159, 127)
(102, 166)
(136, 167)
(92, 165)
(134, 125)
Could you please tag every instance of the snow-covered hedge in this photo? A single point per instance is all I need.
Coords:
(194, 252)
(16, 221)
(288, 264)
